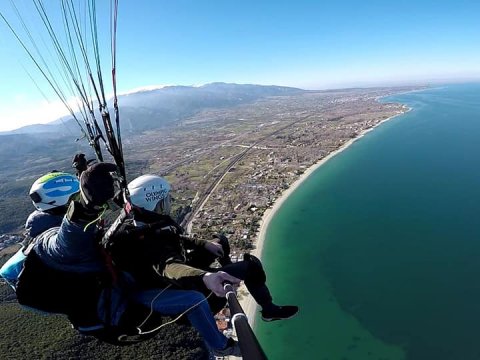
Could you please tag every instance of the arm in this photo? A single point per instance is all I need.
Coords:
(191, 242)
(177, 271)
(71, 247)
(212, 281)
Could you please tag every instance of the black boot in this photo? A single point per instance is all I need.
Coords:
(274, 312)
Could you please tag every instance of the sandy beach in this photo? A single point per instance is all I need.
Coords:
(247, 302)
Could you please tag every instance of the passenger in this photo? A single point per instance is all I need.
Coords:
(50, 195)
(66, 272)
(152, 247)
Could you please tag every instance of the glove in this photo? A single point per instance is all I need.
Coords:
(215, 248)
(215, 281)
(97, 185)
(79, 163)
(222, 240)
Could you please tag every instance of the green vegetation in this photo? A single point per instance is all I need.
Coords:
(14, 210)
(30, 335)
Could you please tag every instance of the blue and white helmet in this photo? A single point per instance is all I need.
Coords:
(53, 190)
(151, 192)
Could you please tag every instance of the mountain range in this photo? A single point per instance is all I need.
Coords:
(151, 109)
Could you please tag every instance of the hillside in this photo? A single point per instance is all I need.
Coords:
(147, 110)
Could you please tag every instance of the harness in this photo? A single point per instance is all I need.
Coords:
(77, 296)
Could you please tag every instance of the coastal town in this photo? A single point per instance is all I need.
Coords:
(9, 240)
(228, 166)
(228, 177)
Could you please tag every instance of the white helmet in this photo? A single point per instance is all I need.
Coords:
(150, 192)
(53, 190)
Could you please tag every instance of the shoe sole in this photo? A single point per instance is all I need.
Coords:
(275, 319)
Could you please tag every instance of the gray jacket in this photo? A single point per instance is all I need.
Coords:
(70, 247)
(39, 221)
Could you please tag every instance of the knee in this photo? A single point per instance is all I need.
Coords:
(255, 272)
(253, 262)
(196, 297)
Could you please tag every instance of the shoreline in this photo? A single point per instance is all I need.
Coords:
(247, 302)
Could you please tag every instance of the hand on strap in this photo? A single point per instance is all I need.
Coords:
(214, 247)
(215, 281)
(97, 184)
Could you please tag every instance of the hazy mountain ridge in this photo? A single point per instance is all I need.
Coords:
(150, 109)
(35, 128)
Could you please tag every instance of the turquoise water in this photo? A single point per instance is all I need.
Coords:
(380, 247)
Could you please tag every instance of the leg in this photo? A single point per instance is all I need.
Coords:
(175, 302)
(250, 270)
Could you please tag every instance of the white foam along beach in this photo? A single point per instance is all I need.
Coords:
(247, 302)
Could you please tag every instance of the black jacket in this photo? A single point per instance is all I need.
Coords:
(152, 248)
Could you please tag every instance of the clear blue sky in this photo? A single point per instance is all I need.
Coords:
(308, 44)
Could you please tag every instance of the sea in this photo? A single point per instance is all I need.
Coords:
(380, 246)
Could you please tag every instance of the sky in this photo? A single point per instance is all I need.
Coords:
(304, 43)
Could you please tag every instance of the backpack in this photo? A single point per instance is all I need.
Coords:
(49, 290)
(12, 268)
(42, 288)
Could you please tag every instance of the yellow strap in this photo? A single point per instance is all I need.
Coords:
(104, 207)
